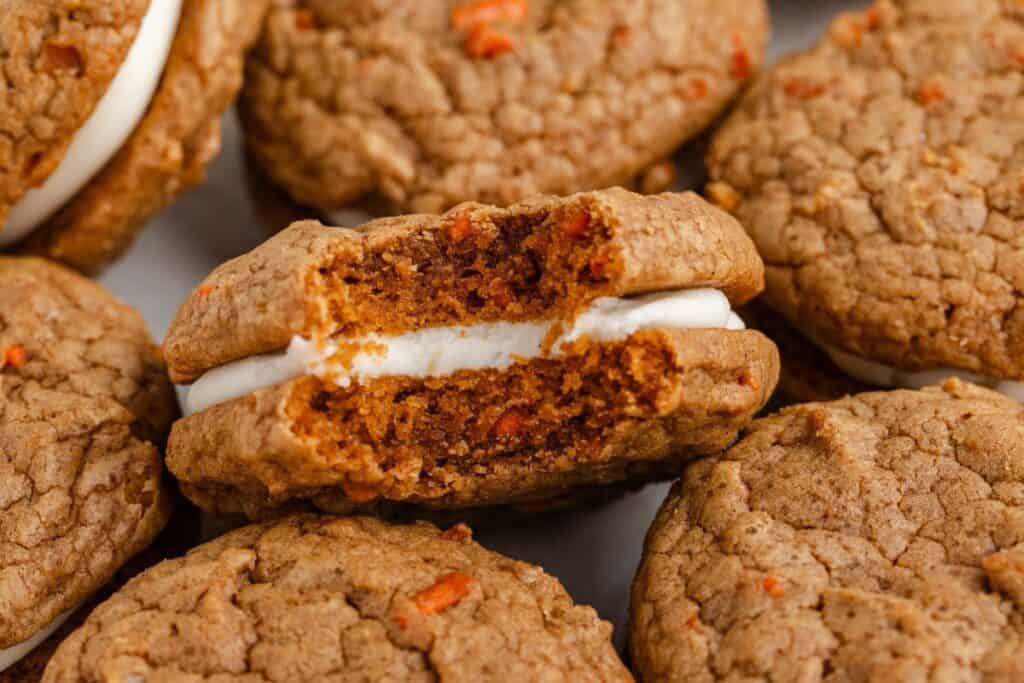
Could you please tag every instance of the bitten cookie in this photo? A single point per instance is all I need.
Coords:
(876, 538)
(84, 404)
(110, 109)
(882, 177)
(325, 599)
(436, 102)
(484, 356)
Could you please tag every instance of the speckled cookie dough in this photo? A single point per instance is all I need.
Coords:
(433, 103)
(65, 55)
(876, 538)
(318, 599)
(84, 403)
(881, 176)
(446, 378)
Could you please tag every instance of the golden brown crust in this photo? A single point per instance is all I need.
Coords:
(168, 152)
(880, 175)
(328, 599)
(674, 395)
(84, 405)
(876, 538)
(258, 302)
(345, 100)
(57, 59)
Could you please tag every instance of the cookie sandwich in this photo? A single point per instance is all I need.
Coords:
(483, 356)
(110, 109)
(880, 176)
(85, 406)
(875, 538)
(443, 101)
(324, 599)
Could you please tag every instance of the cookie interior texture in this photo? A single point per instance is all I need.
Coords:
(342, 101)
(84, 407)
(309, 599)
(879, 174)
(879, 537)
(599, 413)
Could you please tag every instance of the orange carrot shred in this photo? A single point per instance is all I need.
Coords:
(447, 592)
(473, 14)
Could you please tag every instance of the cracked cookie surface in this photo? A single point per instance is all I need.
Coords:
(84, 401)
(317, 599)
(402, 99)
(876, 538)
(881, 176)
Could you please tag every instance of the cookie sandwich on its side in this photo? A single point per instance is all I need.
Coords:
(875, 538)
(881, 176)
(484, 356)
(109, 110)
(85, 406)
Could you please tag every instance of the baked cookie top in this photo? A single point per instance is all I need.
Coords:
(880, 537)
(474, 263)
(881, 175)
(435, 102)
(58, 58)
(83, 402)
(312, 599)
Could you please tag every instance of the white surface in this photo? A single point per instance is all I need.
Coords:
(441, 351)
(11, 655)
(594, 552)
(104, 132)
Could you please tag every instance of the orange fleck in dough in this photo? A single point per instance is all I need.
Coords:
(446, 593)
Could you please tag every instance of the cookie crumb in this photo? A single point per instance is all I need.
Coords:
(446, 593)
(460, 533)
(723, 196)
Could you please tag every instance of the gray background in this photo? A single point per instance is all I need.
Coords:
(593, 552)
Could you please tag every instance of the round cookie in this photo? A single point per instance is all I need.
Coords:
(84, 406)
(432, 103)
(75, 73)
(876, 538)
(880, 175)
(316, 599)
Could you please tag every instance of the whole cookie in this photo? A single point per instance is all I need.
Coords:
(318, 599)
(430, 103)
(876, 538)
(110, 110)
(881, 175)
(84, 406)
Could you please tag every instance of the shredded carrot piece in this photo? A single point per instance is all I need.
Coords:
(447, 592)
(481, 12)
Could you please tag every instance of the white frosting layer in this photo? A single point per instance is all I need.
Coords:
(106, 130)
(879, 375)
(440, 351)
(9, 656)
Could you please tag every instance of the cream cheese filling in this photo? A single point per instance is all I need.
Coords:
(106, 130)
(11, 655)
(441, 351)
(879, 375)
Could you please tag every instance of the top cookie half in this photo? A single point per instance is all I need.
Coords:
(882, 176)
(435, 102)
(540, 259)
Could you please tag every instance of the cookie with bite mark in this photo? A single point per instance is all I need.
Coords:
(485, 356)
